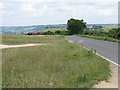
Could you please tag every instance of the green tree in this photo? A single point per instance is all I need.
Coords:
(75, 26)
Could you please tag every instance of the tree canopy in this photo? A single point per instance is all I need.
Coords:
(76, 26)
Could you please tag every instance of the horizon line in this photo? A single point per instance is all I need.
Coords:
(47, 24)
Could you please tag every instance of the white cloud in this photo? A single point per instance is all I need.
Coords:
(28, 7)
(29, 1)
(41, 11)
(1, 5)
(55, 11)
(97, 1)
(111, 11)
(105, 12)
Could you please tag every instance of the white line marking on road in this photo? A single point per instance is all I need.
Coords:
(107, 59)
(104, 58)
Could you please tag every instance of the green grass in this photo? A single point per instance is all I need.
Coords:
(14, 39)
(101, 38)
(58, 65)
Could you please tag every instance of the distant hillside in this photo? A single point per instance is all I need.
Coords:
(25, 29)
(20, 29)
(53, 29)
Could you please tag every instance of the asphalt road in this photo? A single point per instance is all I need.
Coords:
(107, 49)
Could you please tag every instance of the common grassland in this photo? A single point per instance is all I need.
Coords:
(14, 39)
(59, 64)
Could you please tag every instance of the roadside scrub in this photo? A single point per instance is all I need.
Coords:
(101, 38)
(112, 35)
(58, 65)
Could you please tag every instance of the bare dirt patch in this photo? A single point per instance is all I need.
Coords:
(112, 81)
(24, 45)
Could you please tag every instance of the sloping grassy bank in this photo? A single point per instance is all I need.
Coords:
(101, 38)
(60, 64)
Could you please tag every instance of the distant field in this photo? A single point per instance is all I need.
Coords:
(53, 29)
(60, 64)
(109, 27)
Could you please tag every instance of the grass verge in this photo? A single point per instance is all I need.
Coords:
(58, 65)
(101, 38)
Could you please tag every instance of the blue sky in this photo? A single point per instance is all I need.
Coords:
(35, 12)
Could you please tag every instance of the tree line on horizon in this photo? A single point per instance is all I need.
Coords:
(76, 26)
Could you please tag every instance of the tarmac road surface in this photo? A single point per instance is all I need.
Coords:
(106, 49)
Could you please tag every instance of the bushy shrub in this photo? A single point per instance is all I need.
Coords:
(114, 33)
(39, 33)
(64, 32)
(61, 32)
(57, 32)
